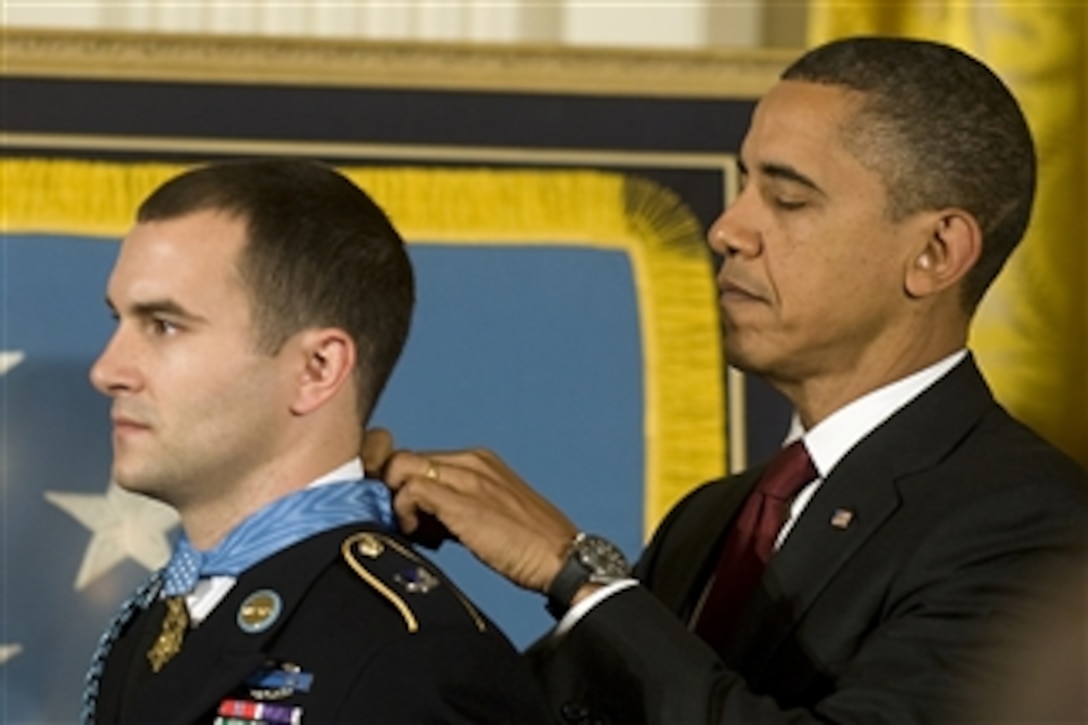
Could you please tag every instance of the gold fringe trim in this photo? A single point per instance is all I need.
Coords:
(684, 371)
(681, 345)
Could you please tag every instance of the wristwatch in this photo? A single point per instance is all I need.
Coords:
(590, 559)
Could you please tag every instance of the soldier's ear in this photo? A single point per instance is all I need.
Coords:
(326, 359)
(950, 248)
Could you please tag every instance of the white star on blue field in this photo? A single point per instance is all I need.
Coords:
(123, 526)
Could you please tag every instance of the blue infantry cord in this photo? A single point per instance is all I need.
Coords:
(141, 599)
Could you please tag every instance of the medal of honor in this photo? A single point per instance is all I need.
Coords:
(168, 643)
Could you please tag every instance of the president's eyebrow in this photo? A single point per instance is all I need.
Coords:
(783, 172)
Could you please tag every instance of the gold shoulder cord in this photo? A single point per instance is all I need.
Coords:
(372, 546)
(408, 553)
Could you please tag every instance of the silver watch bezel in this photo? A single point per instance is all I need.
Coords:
(604, 560)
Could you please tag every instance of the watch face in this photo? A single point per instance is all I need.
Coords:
(602, 558)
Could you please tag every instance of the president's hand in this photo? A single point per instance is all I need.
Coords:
(376, 451)
(485, 506)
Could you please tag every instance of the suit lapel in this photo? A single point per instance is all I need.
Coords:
(690, 549)
(815, 550)
(852, 504)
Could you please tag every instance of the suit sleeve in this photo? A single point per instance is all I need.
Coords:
(907, 659)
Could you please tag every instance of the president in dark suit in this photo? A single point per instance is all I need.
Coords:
(261, 306)
(905, 539)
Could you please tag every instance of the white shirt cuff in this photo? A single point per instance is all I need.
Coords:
(580, 609)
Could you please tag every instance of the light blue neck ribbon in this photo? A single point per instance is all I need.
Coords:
(277, 526)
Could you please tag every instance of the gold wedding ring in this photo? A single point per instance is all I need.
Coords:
(432, 470)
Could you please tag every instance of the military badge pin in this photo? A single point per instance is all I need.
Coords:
(259, 611)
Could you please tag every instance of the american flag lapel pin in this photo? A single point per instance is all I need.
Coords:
(842, 518)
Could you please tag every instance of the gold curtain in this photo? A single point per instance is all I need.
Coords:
(1031, 332)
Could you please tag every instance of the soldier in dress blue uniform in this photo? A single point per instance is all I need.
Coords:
(261, 306)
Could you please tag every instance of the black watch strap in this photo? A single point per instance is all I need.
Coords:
(571, 577)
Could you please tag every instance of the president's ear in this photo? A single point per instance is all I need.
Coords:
(952, 245)
(327, 364)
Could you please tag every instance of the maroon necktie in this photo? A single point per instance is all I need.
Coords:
(750, 543)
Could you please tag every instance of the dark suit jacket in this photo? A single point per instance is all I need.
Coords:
(959, 514)
(337, 625)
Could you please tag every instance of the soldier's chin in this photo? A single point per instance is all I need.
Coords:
(136, 484)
